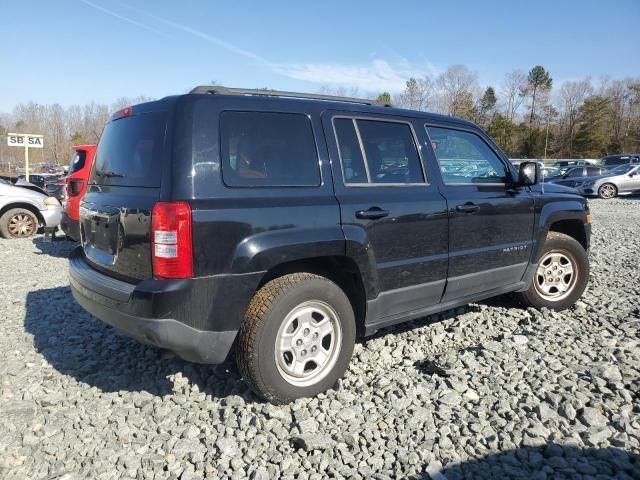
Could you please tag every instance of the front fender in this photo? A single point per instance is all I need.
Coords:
(555, 211)
(552, 211)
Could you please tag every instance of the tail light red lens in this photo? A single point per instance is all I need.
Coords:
(172, 252)
(74, 187)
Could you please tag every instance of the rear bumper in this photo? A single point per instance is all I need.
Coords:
(70, 227)
(163, 312)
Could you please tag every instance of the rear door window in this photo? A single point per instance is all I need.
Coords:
(130, 151)
(265, 149)
(377, 152)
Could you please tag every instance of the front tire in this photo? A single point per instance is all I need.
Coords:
(561, 276)
(297, 338)
(607, 191)
(18, 223)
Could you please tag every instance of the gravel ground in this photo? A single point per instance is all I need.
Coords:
(491, 390)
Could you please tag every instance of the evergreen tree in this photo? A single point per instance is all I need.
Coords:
(384, 98)
(502, 130)
(538, 79)
(591, 136)
(486, 106)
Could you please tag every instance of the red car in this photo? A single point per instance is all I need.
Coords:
(76, 187)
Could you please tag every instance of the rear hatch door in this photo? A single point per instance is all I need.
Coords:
(125, 183)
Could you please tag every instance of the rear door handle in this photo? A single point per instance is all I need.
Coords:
(468, 207)
(373, 213)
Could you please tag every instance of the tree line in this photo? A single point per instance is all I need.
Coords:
(527, 114)
(62, 128)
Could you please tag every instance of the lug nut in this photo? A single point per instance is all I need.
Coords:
(303, 353)
(313, 349)
(315, 335)
(306, 331)
(298, 342)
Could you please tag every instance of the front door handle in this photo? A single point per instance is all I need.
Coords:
(373, 213)
(469, 208)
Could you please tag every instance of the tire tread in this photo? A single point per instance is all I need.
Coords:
(248, 336)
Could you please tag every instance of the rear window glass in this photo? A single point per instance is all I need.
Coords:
(264, 149)
(77, 161)
(130, 151)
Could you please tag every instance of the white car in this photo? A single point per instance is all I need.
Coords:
(23, 211)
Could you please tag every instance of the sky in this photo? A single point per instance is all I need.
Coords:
(78, 51)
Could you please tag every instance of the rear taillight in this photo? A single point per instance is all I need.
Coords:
(171, 240)
(74, 187)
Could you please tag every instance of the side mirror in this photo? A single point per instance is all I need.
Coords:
(529, 174)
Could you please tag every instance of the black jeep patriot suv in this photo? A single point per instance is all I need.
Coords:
(287, 223)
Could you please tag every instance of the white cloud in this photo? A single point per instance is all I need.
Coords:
(378, 75)
(121, 17)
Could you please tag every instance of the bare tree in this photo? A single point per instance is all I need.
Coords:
(571, 97)
(457, 86)
(417, 95)
(94, 116)
(57, 137)
(513, 91)
(123, 102)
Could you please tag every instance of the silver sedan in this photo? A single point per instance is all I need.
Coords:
(24, 210)
(621, 180)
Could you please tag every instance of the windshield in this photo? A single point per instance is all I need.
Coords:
(129, 151)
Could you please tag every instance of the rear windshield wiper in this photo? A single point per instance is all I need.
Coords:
(109, 174)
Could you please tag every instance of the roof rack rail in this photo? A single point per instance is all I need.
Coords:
(216, 89)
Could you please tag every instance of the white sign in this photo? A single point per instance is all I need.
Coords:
(31, 141)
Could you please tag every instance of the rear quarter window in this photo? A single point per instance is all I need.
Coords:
(77, 161)
(265, 149)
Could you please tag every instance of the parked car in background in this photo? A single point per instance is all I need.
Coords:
(569, 163)
(23, 211)
(76, 186)
(286, 225)
(621, 180)
(622, 159)
(548, 171)
(39, 179)
(56, 188)
(572, 177)
(21, 182)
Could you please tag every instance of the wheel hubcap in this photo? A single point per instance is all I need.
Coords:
(556, 276)
(308, 343)
(21, 225)
(607, 191)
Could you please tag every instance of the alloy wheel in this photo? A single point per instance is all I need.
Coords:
(556, 276)
(308, 343)
(607, 191)
(21, 225)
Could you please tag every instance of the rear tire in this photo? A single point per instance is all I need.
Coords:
(607, 191)
(18, 223)
(561, 276)
(297, 338)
